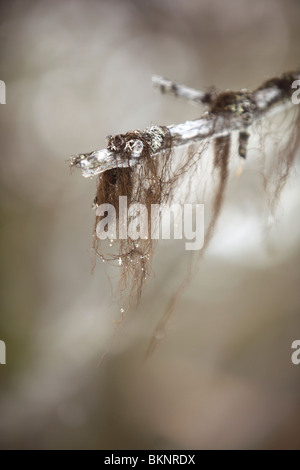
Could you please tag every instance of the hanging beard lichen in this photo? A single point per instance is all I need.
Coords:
(140, 167)
(145, 183)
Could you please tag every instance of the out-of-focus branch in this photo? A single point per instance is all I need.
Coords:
(168, 87)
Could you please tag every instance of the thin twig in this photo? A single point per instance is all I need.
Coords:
(227, 111)
(191, 95)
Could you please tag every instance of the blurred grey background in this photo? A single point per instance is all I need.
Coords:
(222, 377)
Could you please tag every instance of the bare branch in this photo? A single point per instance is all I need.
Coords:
(191, 95)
